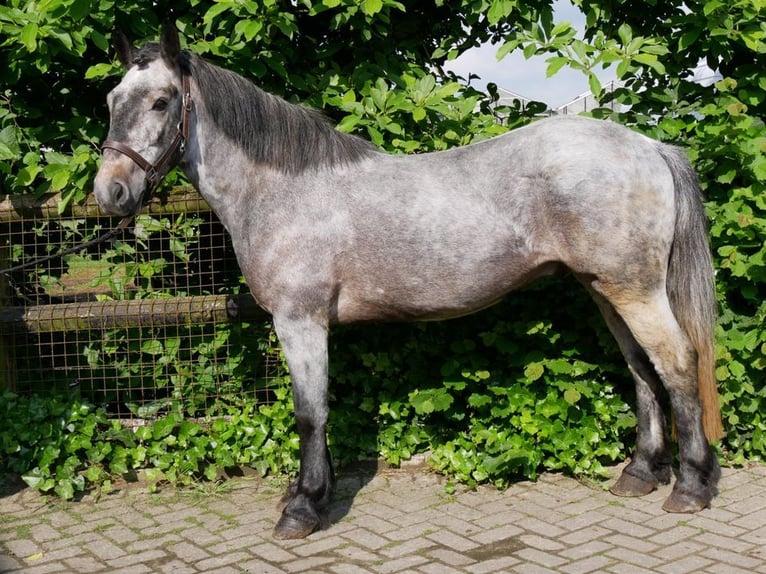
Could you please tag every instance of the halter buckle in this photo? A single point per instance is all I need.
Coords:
(152, 176)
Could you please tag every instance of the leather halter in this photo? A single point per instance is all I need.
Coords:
(153, 173)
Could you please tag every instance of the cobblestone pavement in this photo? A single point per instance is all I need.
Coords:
(390, 521)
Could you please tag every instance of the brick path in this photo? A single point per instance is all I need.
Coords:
(400, 521)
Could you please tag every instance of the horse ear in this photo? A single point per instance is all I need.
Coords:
(170, 45)
(124, 49)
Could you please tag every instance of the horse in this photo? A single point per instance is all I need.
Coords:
(329, 230)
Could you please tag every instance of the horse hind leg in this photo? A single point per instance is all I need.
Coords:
(651, 322)
(650, 463)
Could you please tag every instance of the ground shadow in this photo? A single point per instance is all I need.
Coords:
(11, 484)
(351, 480)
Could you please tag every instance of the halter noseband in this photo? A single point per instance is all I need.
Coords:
(155, 172)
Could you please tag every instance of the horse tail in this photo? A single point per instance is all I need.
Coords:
(690, 284)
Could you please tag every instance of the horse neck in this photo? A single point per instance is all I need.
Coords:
(219, 169)
(281, 141)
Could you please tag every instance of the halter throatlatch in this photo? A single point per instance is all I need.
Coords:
(153, 173)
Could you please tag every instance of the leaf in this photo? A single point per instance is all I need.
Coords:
(215, 10)
(348, 123)
(555, 64)
(152, 347)
(595, 84)
(28, 36)
(248, 28)
(372, 7)
(65, 489)
(500, 9)
(430, 400)
(507, 47)
(688, 38)
(534, 371)
(625, 32)
(562, 29)
(572, 396)
(650, 60)
(163, 427)
(6, 153)
(33, 480)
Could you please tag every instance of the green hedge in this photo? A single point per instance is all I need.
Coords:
(532, 383)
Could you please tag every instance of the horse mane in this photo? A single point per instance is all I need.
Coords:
(270, 130)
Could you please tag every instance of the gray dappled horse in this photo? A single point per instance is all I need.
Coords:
(327, 230)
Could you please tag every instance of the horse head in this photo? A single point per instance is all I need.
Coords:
(149, 114)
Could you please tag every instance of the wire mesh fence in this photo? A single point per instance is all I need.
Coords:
(158, 319)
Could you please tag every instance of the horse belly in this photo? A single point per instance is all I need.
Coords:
(388, 295)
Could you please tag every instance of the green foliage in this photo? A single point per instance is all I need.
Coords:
(533, 383)
(65, 447)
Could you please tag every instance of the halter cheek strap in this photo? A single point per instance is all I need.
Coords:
(153, 173)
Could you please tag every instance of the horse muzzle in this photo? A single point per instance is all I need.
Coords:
(119, 186)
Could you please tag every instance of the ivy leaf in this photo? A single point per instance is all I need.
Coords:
(430, 400)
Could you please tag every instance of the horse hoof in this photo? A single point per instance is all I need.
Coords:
(287, 497)
(629, 485)
(284, 501)
(685, 503)
(290, 528)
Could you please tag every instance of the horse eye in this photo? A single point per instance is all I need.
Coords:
(160, 105)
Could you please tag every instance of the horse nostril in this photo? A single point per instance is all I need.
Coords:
(118, 192)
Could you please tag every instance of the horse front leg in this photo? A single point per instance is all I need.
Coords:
(304, 342)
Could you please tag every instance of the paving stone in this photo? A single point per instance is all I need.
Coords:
(436, 568)
(487, 536)
(586, 549)
(585, 534)
(685, 565)
(259, 567)
(452, 540)
(188, 552)
(9, 564)
(412, 546)
(396, 522)
(87, 564)
(311, 564)
(23, 548)
(104, 549)
(450, 557)
(400, 564)
(547, 559)
(595, 563)
(51, 568)
(119, 564)
(492, 566)
(176, 567)
(221, 560)
(349, 569)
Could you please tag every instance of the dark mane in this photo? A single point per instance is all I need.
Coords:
(269, 129)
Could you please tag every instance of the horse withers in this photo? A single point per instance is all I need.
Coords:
(328, 230)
